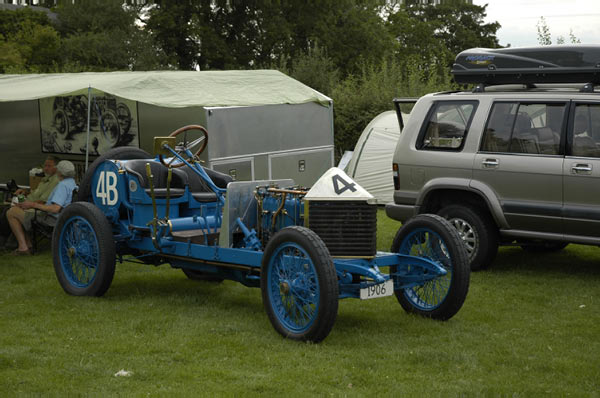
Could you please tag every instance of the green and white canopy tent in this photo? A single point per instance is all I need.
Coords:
(171, 89)
(256, 119)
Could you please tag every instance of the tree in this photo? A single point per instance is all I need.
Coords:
(28, 42)
(440, 32)
(352, 32)
(218, 34)
(545, 38)
(315, 69)
(170, 25)
(543, 32)
(103, 35)
(11, 21)
(11, 60)
(39, 46)
(359, 98)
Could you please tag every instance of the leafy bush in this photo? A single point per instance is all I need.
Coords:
(358, 99)
(315, 69)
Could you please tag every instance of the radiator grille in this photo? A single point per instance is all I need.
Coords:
(348, 228)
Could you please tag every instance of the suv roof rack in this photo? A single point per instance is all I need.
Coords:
(529, 65)
(582, 88)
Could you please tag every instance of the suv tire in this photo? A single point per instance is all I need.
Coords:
(477, 230)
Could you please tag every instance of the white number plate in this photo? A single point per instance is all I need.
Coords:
(375, 291)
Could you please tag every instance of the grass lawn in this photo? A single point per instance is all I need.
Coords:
(530, 326)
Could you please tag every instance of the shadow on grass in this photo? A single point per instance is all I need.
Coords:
(573, 260)
(155, 287)
(173, 285)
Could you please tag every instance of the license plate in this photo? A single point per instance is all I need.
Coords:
(376, 291)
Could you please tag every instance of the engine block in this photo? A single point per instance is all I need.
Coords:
(278, 208)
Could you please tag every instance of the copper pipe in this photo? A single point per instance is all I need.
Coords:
(278, 210)
(291, 191)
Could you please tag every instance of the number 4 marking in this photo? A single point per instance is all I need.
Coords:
(337, 180)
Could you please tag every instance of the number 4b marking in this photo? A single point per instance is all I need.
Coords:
(106, 189)
(337, 180)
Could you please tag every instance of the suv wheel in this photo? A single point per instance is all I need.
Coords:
(477, 231)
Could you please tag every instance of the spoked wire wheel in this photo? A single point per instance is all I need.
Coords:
(299, 285)
(79, 252)
(293, 287)
(83, 250)
(424, 242)
(432, 237)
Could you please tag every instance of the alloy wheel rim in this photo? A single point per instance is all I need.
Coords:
(467, 234)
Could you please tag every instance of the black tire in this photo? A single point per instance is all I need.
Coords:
(124, 116)
(317, 276)
(478, 232)
(429, 231)
(83, 244)
(545, 246)
(61, 124)
(119, 153)
(201, 276)
(112, 128)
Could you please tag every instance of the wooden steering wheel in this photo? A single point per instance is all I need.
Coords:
(183, 147)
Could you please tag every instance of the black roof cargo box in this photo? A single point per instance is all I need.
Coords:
(527, 65)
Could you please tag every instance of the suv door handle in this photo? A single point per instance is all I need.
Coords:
(581, 168)
(490, 163)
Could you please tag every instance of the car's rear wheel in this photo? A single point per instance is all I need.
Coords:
(83, 250)
(477, 231)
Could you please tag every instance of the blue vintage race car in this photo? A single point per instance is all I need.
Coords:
(305, 248)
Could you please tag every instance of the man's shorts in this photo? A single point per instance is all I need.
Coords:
(26, 216)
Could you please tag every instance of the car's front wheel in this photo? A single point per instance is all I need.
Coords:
(299, 285)
(478, 232)
(430, 237)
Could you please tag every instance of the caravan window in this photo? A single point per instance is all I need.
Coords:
(447, 125)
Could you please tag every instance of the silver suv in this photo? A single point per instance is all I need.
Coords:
(506, 164)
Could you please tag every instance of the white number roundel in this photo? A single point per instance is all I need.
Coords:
(106, 190)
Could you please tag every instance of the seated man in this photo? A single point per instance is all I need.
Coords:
(42, 191)
(40, 194)
(20, 216)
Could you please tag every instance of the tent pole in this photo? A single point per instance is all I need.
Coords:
(87, 145)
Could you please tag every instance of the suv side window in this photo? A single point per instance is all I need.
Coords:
(586, 131)
(533, 128)
(447, 125)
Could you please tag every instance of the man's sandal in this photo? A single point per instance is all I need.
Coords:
(18, 252)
